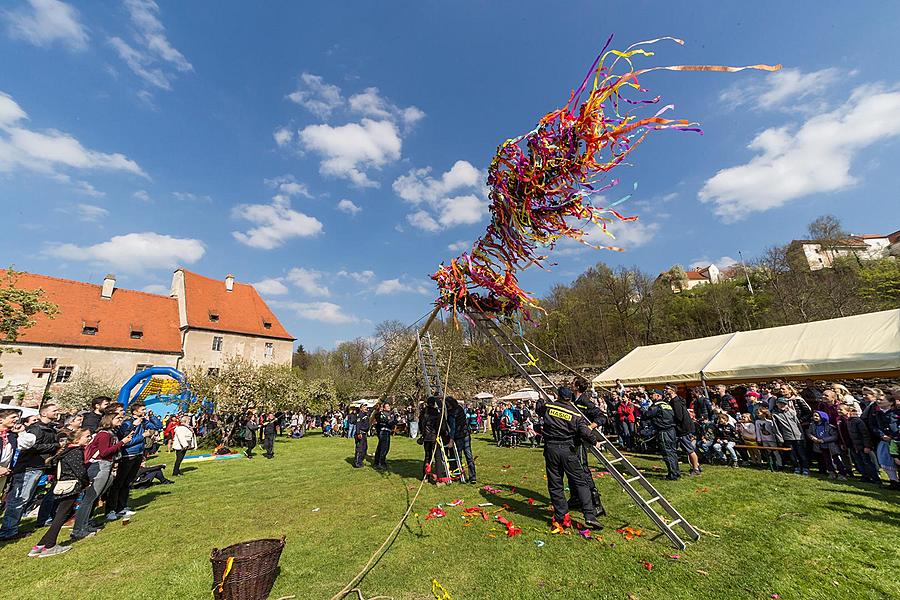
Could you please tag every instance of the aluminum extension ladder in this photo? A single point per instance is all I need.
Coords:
(626, 474)
(431, 378)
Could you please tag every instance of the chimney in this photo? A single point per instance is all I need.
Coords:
(229, 282)
(109, 284)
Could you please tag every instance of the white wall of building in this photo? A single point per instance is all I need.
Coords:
(112, 365)
(199, 352)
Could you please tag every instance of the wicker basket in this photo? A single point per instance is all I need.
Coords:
(253, 569)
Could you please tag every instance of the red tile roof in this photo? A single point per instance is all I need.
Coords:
(696, 276)
(80, 305)
(241, 310)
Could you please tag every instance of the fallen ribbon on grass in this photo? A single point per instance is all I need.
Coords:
(629, 532)
(439, 592)
(436, 513)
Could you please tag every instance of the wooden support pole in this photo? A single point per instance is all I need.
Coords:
(408, 355)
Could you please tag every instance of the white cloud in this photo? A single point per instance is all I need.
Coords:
(349, 150)
(90, 212)
(157, 288)
(316, 96)
(288, 185)
(459, 246)
(462, 210)
(308, 281)
(47, 151)
(276, 223)
(439, 209)
(47, 22)
(783, 89)
(722, 263)
(358, 276)
(325, 312)
(626, 235)
(419, 186)
(134, 251)
(87, 189)
(395, 286)
(814, 158)
(422, 220)
(348, 207)
(190, 197)
(271, 287)
(283, 136)
(141, 195)
(371, 103)
(150, 55)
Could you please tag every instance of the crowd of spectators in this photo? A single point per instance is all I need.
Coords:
(65, 467)
(775, 425)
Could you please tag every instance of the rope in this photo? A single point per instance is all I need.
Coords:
(351, 586)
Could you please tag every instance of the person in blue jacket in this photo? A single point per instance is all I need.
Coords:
(141, 427)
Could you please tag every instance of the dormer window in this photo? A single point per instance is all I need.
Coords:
(267, 324)
(137, 331)
(213, 315)
(88, 330)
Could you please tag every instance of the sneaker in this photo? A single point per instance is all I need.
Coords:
(694, 473)
(35, 550)
(80, 535)
(796, 471)
(54, 550)
(126, 512)
(806, 472)
(112, 516)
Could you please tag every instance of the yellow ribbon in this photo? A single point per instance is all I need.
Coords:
(438, 591)
(228, 565)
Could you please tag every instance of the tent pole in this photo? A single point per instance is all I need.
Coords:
(703, 381)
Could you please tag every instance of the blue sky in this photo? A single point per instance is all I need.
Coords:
(334, 153)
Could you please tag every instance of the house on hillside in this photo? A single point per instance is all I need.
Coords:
(822, 255)
(115, 332)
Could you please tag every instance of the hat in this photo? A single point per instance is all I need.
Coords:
(565, 393)
(782, 400)
(657, 392)
(752, 394)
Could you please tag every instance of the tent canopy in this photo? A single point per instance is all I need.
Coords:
(523, 394)
(483, 396)
(861, 345)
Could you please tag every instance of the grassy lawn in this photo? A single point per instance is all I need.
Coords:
(777, 534)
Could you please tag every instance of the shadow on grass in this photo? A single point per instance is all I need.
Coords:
(142, 500)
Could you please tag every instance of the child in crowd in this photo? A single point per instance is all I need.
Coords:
(765, 434)
(860, 443)
(823, 436)
(725, 438)
(71, 478)
(789, 432)
(747, 430)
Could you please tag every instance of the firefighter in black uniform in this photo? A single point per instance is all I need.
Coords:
(585, 404)
(564, 428)
(384, 420)
(362, 435)
(661, 414)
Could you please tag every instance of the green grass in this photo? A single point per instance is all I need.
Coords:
(777, 533)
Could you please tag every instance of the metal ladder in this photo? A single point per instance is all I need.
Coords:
(431, 378)
(626, 474)
(431, 372)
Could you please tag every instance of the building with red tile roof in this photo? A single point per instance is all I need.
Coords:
(114, 332)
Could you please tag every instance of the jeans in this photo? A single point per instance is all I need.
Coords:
(99, 473)
(775, 455)
(728, 447)
(21, 490)
(464, 448)
(626, 431)
(351, 431)
(865, 464)
(886, 460)
(798, 454)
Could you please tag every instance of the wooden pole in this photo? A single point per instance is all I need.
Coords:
(409, 353)
(400, 367)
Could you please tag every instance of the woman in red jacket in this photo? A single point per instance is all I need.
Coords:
(625, 415)
(99, 455)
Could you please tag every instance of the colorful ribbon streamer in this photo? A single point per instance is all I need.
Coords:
(542, 183)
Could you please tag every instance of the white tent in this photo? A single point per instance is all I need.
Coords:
(483, 396)
(861, 345)
(523, 394)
